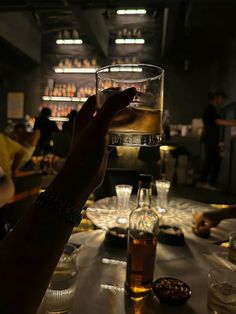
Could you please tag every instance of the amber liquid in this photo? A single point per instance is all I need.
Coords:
(140, 264)
(137, 120)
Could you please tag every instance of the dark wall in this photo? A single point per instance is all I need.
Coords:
(186, 91)
(18, 73)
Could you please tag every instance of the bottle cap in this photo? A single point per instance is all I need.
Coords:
(145, 180)
(145, 177)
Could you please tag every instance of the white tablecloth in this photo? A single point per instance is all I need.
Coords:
(101, 269)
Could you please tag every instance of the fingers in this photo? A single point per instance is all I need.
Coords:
(114, 104)
(85, 115)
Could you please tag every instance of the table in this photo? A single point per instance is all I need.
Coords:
(101, 268)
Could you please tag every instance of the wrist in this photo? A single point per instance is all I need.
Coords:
(67, 184)
(61, 207)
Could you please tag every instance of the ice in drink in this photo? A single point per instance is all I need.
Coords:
(138, 120)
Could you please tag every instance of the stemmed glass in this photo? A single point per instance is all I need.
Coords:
(163, 187)
(123, 193)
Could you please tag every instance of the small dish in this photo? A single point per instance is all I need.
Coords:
(117, 236)
(171, 290)
(171, 235)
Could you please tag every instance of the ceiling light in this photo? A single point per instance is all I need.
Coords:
(75, 70)
(139, 41)
(69, 41)
(131, 11)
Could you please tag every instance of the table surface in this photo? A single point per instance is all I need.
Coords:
(101, 268)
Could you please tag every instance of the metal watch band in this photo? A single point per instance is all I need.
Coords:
(62, 207)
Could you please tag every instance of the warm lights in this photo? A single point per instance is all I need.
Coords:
(74, 70)
(131, 12)
(64, 98)
(139, 41)
(58, 119)
(126, 69)
(69, 41)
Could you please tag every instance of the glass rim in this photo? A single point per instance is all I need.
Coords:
(130, 65)
(127, 186)
(162, 180)
(212, 272)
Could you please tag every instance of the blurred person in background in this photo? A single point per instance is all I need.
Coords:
(11, 155)
(68, 125)
(46, 128)
(28, 140)
(211, 139)
(62, 141)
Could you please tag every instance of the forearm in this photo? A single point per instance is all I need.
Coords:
(37, 241)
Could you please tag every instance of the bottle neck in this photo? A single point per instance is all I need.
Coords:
(144, 197)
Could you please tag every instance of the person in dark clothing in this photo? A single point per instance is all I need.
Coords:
(46, 128)
(211, 138)
(68, 125)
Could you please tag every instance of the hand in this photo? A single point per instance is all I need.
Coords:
(206, 220)
(86, 165)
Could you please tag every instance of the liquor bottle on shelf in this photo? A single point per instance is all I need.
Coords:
(59, 93)
(46, 91)
(139, 34)
(59, 35)
(142, 241)
(134, 33)
(66, 34)
(94, 62)
(75, 34)
(61, 64)
(129, 34)
(120, 34)
(125, 33)
(75, 63)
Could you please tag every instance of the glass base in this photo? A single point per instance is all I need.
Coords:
(131, 139)
(122, 221)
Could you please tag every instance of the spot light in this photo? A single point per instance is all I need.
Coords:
(131, 12)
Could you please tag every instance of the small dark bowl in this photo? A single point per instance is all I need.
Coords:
(171, 290)
(170, 235)
(117, 236)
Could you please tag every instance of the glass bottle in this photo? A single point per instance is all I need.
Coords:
(142, 241)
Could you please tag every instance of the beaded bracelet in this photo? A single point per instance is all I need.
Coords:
(62, 207)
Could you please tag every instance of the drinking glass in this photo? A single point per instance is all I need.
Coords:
(232, 248)
(61, 289)
(139, 124)
(222, 291)
(163, 187)
(123, 193)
